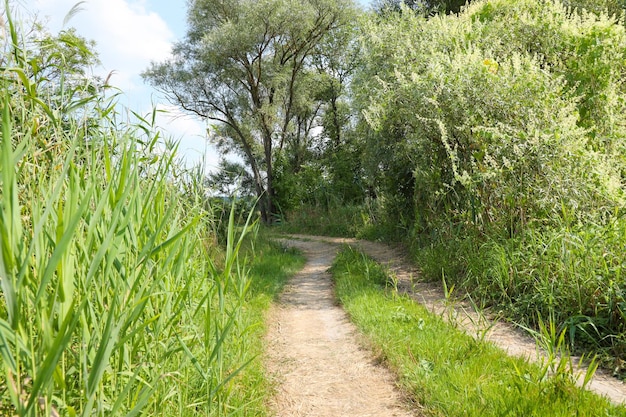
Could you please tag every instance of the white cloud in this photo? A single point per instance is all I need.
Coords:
(128, 35)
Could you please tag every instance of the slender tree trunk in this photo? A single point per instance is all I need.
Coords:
(271, 197)
(269, 189)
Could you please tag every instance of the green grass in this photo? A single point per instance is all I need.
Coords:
(335, 221)
(448, 372)
(270, 267)
(571, 273)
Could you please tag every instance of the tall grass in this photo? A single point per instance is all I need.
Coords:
(333, 220)
(110, 302)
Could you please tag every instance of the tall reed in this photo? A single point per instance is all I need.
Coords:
(110, 304)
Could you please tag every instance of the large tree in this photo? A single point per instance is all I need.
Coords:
(242, 66)
(319, 163)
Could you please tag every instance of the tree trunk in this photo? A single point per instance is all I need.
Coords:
(269, 189)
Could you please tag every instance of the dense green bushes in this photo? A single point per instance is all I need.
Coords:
(497, 145)
(497, 136)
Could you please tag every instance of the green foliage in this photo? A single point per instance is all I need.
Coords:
(114, 298)
(65, 57)
(296, 188)
(270, 267)
(424, 7)
(572, 274)
(325, 182)
(436, 361)
(582, 48)
(332, 220)
(487, 135)
(496, 149)
(245, 66)
(231, 178)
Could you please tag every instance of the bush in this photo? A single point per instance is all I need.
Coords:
(497, 142)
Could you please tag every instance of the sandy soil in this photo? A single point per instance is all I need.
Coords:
(321, 367)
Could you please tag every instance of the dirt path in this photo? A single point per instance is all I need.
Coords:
(315, 356)
(321, 251)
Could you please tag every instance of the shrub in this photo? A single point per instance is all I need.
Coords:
(497, 141)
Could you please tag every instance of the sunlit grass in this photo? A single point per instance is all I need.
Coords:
(447, 371)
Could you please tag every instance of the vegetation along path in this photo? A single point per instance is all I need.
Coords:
(319, 365)
(317, 361)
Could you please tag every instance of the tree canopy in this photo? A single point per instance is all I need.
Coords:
(244, 67)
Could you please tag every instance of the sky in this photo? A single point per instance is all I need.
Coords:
(129, 34)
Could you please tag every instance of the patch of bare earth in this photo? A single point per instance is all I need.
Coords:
(504, 335)
(315, 358)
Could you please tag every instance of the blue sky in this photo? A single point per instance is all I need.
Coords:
(129, 35)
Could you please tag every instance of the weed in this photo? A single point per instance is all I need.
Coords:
(556, 362)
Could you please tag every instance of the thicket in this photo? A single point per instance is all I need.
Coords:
(115, 296)
(497, 149)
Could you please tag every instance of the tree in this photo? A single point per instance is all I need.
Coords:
(337, 62)
(421, 6)
(320, 163)
(231, 178)
(243, 66)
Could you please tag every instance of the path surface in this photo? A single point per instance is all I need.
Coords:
(297, 308)
(315, 356)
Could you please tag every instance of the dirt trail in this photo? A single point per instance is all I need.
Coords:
(504, 335)
(315, 357)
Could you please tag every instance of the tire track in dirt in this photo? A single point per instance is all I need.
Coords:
(314, 355)
(504, 335)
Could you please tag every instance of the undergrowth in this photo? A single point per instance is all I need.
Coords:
(270, 265)
(320, 220)
(573, 274)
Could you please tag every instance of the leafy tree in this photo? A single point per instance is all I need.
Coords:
(454, 6)
(420, 6)
(339, 58)
(243, 65)
(612, 7)
(231, 178)
(321, 164)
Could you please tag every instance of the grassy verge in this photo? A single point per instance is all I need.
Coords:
(571, 273)
(448, 372)
(244, 391)
(270, 267)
